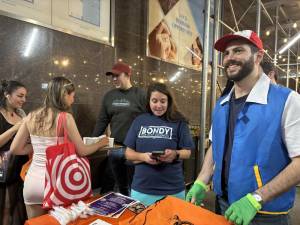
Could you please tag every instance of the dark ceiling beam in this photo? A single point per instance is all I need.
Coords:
(284, 26)
(275, 3)
(265, 11)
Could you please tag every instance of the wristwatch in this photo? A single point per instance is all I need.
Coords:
(257, 197)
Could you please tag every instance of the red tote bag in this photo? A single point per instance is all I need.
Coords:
(68, 176)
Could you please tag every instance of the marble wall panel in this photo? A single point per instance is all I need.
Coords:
(88, 61)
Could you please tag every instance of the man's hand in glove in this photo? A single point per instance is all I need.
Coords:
(197, 193)
(243, 211)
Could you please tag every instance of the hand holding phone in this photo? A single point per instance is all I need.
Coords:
(170, 156)
(156, 154)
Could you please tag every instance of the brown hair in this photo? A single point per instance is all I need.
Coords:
(43, 118)
(172, 114)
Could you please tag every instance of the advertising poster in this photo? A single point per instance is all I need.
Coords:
(38, 10)
(88, 18)
(85, 18)
(175, 31)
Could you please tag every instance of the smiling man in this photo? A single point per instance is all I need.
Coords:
(255, 154)
(119, 108)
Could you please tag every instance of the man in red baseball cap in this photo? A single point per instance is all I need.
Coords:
(120, 73)
(246, 35)
(255, 153)
(119, 108)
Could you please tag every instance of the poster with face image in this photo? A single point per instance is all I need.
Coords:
(175, 31)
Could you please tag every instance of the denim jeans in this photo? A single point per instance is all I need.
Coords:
(259, 219)
(122, 172)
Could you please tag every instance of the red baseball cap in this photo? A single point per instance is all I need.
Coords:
(247, 35)
(119, 68)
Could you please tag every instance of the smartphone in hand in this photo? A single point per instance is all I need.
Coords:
(156, 154)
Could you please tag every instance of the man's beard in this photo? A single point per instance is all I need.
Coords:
(246, 69)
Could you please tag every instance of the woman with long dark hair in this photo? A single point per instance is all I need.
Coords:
(12, 97)
(159, 140)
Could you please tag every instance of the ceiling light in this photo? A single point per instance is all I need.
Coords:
(65, 62)
(295, 25)
(175, 76)
(292, 41)
(267, 32)
(31, 42)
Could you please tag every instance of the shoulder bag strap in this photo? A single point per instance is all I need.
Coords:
(61, 123)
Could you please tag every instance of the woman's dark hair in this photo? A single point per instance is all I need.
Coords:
(172, 114)
(8, 87)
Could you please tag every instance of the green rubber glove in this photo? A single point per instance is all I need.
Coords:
(197, 191)
(243, 211)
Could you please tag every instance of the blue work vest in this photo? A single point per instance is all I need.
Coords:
(258, 151)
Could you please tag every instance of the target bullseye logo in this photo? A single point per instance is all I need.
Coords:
(67, 179)
(77, 176)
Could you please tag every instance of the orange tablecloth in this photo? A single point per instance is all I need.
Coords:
(49, 220)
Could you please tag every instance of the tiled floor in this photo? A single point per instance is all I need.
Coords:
(209, 203)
